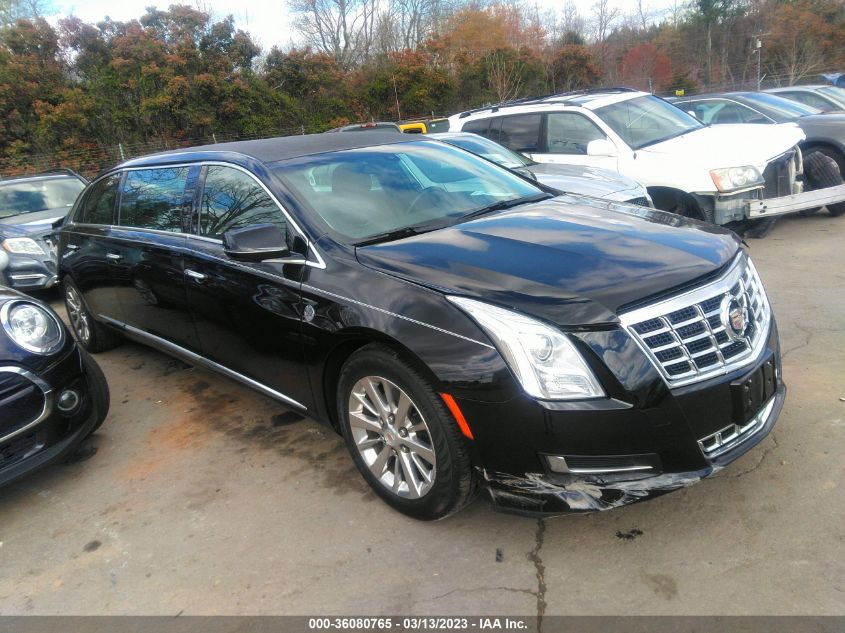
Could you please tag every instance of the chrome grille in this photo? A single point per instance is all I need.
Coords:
(25, 400)
(690, 337)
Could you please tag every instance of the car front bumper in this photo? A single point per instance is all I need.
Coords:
(29, 272)
(29, 444)
(556, 458)
(548, 495)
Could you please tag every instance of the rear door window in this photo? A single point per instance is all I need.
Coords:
(570, 133)
(233, 199)
(477, 127)
(153, 198)
(98, 207)
(521, 132)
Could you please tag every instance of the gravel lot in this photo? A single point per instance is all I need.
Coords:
(199, 496)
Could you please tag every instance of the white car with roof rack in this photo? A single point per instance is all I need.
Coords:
(721, 174)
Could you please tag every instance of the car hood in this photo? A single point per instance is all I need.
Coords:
(589, 181)
(38, 223)
(732, 145)
(828, 126)
(570, 260)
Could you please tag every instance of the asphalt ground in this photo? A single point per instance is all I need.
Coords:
(199, 496)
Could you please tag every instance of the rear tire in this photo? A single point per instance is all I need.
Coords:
(93, 336)
(416, 461)
(822, 170)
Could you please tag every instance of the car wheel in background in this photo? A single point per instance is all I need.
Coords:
(92, 336)
(402, 437)
(821, 170)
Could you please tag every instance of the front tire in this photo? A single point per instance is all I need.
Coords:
(98, 389)
(822, 170)
(402, 437)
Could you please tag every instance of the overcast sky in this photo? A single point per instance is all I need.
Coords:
(268, 21)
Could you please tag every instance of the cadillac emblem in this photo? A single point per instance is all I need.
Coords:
(734, 317)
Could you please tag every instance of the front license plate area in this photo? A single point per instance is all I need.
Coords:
(753, 390)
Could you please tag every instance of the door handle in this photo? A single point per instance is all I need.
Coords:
(115, 257)
(194, 274)
(72, 247)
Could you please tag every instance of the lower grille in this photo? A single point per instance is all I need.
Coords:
(643, 202)
(711, 330)
(733, 435)
(23, 401)
(16, 449)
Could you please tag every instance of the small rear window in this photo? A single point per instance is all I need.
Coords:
(98, 207)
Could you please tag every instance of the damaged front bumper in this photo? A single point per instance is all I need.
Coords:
(548, 494)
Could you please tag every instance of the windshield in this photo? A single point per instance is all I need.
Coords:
(31, 196)
(490, 150)
(372, 191)
(647, 120)
(778, 108)
(838, 94)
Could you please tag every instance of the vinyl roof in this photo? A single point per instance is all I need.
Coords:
(273, 149)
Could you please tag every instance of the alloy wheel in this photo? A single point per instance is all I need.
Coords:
(78, 315)
(392, 437)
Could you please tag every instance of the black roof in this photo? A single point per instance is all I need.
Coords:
(269, 150)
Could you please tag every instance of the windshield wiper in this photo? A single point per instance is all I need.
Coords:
(504, 204)
(398, 234)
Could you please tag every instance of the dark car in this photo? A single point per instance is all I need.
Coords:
(459, 326)
(29, 205)
(52, 393)
(825, 132)
(824, 97)
(371, 126)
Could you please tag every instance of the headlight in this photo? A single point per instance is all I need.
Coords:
(544, 360)
(22, 246)
(31, 327)
(731, 178)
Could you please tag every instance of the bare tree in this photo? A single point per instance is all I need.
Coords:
(603, 18)
(643, 14)
(571, 23)
(12, 10)
(504, 74)
(345, 29)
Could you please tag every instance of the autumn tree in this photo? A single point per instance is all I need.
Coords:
(646, 67)
(805, 36)
(574, 67)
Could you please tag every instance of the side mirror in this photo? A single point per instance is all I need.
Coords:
(256, 243)
(601, 147)
(692, 114)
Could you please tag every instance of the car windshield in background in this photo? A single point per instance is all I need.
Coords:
(647, 120)
(490, 150)
(31, 196)
(780, 109)
(378, 191)
(834, 93)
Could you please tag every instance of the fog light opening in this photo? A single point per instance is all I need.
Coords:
(68, 401)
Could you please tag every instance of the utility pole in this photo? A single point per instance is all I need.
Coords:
(758, 49)
(396, 94)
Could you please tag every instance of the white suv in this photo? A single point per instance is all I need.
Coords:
(715, 173)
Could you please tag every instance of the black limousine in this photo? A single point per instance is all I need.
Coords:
(461, 326)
